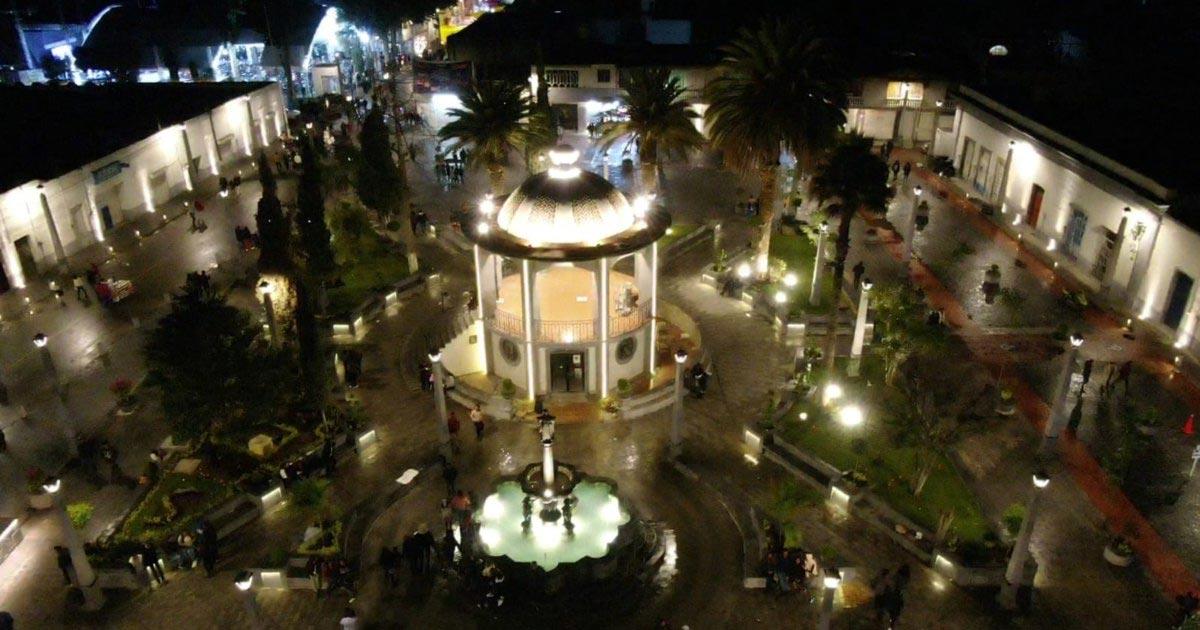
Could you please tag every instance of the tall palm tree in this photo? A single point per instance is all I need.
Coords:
(854, 178)
(780, 88)
(491, 123)
(660, 121)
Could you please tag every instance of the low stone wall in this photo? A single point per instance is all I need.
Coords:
(864, 504)
(351, 328)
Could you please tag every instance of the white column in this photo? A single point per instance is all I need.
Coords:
(1058, 410)
(814, 295)
(12, 262)
(60, 255)
(860, 322)
(910, 231)
(439, 400)
(1002, 194)
(1015, 572)
(604, 306)
(527, 309)
(93, 597)
(677, 406)
(548, 461)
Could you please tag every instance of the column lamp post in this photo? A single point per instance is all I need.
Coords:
(814, 295)
(266, 289)
(244, 581)
(677, 407)
(439, 399)
(42, 343)
(1059, 414)
(831, 582)
(910, 231)
(93, 597)
(860, 327)
(1015, 573)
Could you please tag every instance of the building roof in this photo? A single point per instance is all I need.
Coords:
(56, 129)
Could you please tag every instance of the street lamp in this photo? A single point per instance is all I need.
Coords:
(744, 270)
(790, 280)
(851, 416)
(1015, 573)
(487, 205)
(243, 581)
(860, 327)
(831, 582)
(910, 225)
(832, 392)
(93, 597)
(681, 357)
(42, 343)
(439, 399)
(267, 290)
(814, 294)
(781, 297)
(1059, 414)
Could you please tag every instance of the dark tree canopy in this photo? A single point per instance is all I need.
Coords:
(274, 235)
(211, 373)
(266, 176)
(379, 182)
(310, 216)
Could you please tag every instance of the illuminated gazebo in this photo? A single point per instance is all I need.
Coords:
(566, 270)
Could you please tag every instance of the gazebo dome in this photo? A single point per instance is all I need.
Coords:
(565, 206)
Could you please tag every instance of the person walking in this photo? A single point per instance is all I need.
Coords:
(63, 558)
(409, 549)
(192, 216)
(450, 475)
(907, 170)
(895, 169)
(208, 548)
(880, 584)
(446, 550)
(1124, 374)
(453, 425)
(1087, 373)
(150, 559)
(477, 421)
(387, 562)
(858, 270)
(80, 292)
(425, 547)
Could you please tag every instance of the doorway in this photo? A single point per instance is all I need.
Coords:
(1034, 209)
(25, 256)
(106, 218)
(1178, 299)
(567, 372)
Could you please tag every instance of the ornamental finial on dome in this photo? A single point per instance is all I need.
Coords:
(563, 157)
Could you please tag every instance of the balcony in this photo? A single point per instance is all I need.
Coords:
(570, 331)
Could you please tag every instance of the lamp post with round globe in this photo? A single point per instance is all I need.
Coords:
(1058, 411)
(860, 327)
(814, 294)
(910, 231)
(42, 343)
(244, 582)
(677, 408)
(85, 577)
(1014, 574)
(439, 399)
(831, 581)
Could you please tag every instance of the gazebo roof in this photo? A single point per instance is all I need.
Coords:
(567, 213)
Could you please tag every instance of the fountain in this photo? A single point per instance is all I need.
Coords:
(552, 527)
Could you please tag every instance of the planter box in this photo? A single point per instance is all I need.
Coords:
(43, 501)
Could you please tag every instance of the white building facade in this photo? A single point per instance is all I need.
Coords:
(1107, 225)
(44, 222)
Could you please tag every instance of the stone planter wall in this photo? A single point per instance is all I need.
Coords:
(352, 327)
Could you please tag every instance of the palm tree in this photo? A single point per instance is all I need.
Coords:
(492, 124)
(660, 121)
(780, 88)
(856, 179)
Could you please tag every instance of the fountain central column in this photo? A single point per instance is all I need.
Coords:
(548, 461)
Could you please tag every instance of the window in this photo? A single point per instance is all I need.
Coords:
(966, 159)
(901, 92)
(562, 78)
(979, 180)
(603, 75)
(1076, 227)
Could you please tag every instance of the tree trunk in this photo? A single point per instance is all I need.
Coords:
(496, 176)
(922, 477)
(842, 250)
(649, 176)
(769, 176)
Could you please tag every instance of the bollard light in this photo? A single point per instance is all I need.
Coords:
(851, 416)
(40, 340)
(266, 288)
(1076, 340)
(1041, 479)
(435, 356)
(680, 356)
(781, 297)
(487, 205)
(482, 228)
(243, 581)
(833, 579)
(790, 279)
(52, 485)
(743, 270)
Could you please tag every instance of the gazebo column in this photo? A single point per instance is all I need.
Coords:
(604, 303)
(527, 310)
(482, 261)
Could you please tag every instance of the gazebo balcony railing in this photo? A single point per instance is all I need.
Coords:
(630, 321)
(565, 331)
(507, 323)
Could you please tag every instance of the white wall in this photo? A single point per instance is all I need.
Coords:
(156, 173)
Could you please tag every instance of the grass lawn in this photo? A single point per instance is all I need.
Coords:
(798, 253)
(889, 470)
(374, 270)
(678, 230)
(172, 506)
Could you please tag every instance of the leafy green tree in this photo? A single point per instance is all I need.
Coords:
(900, 326)
(381, 182)
(313, 373)
(274, 231)
(492, 124)
(205, 360)
(310, 217)
(780, 88)
(660, 121)
(922, 427)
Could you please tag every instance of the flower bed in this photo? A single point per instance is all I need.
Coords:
(173, 505)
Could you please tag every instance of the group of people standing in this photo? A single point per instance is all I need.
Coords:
(451, 168)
